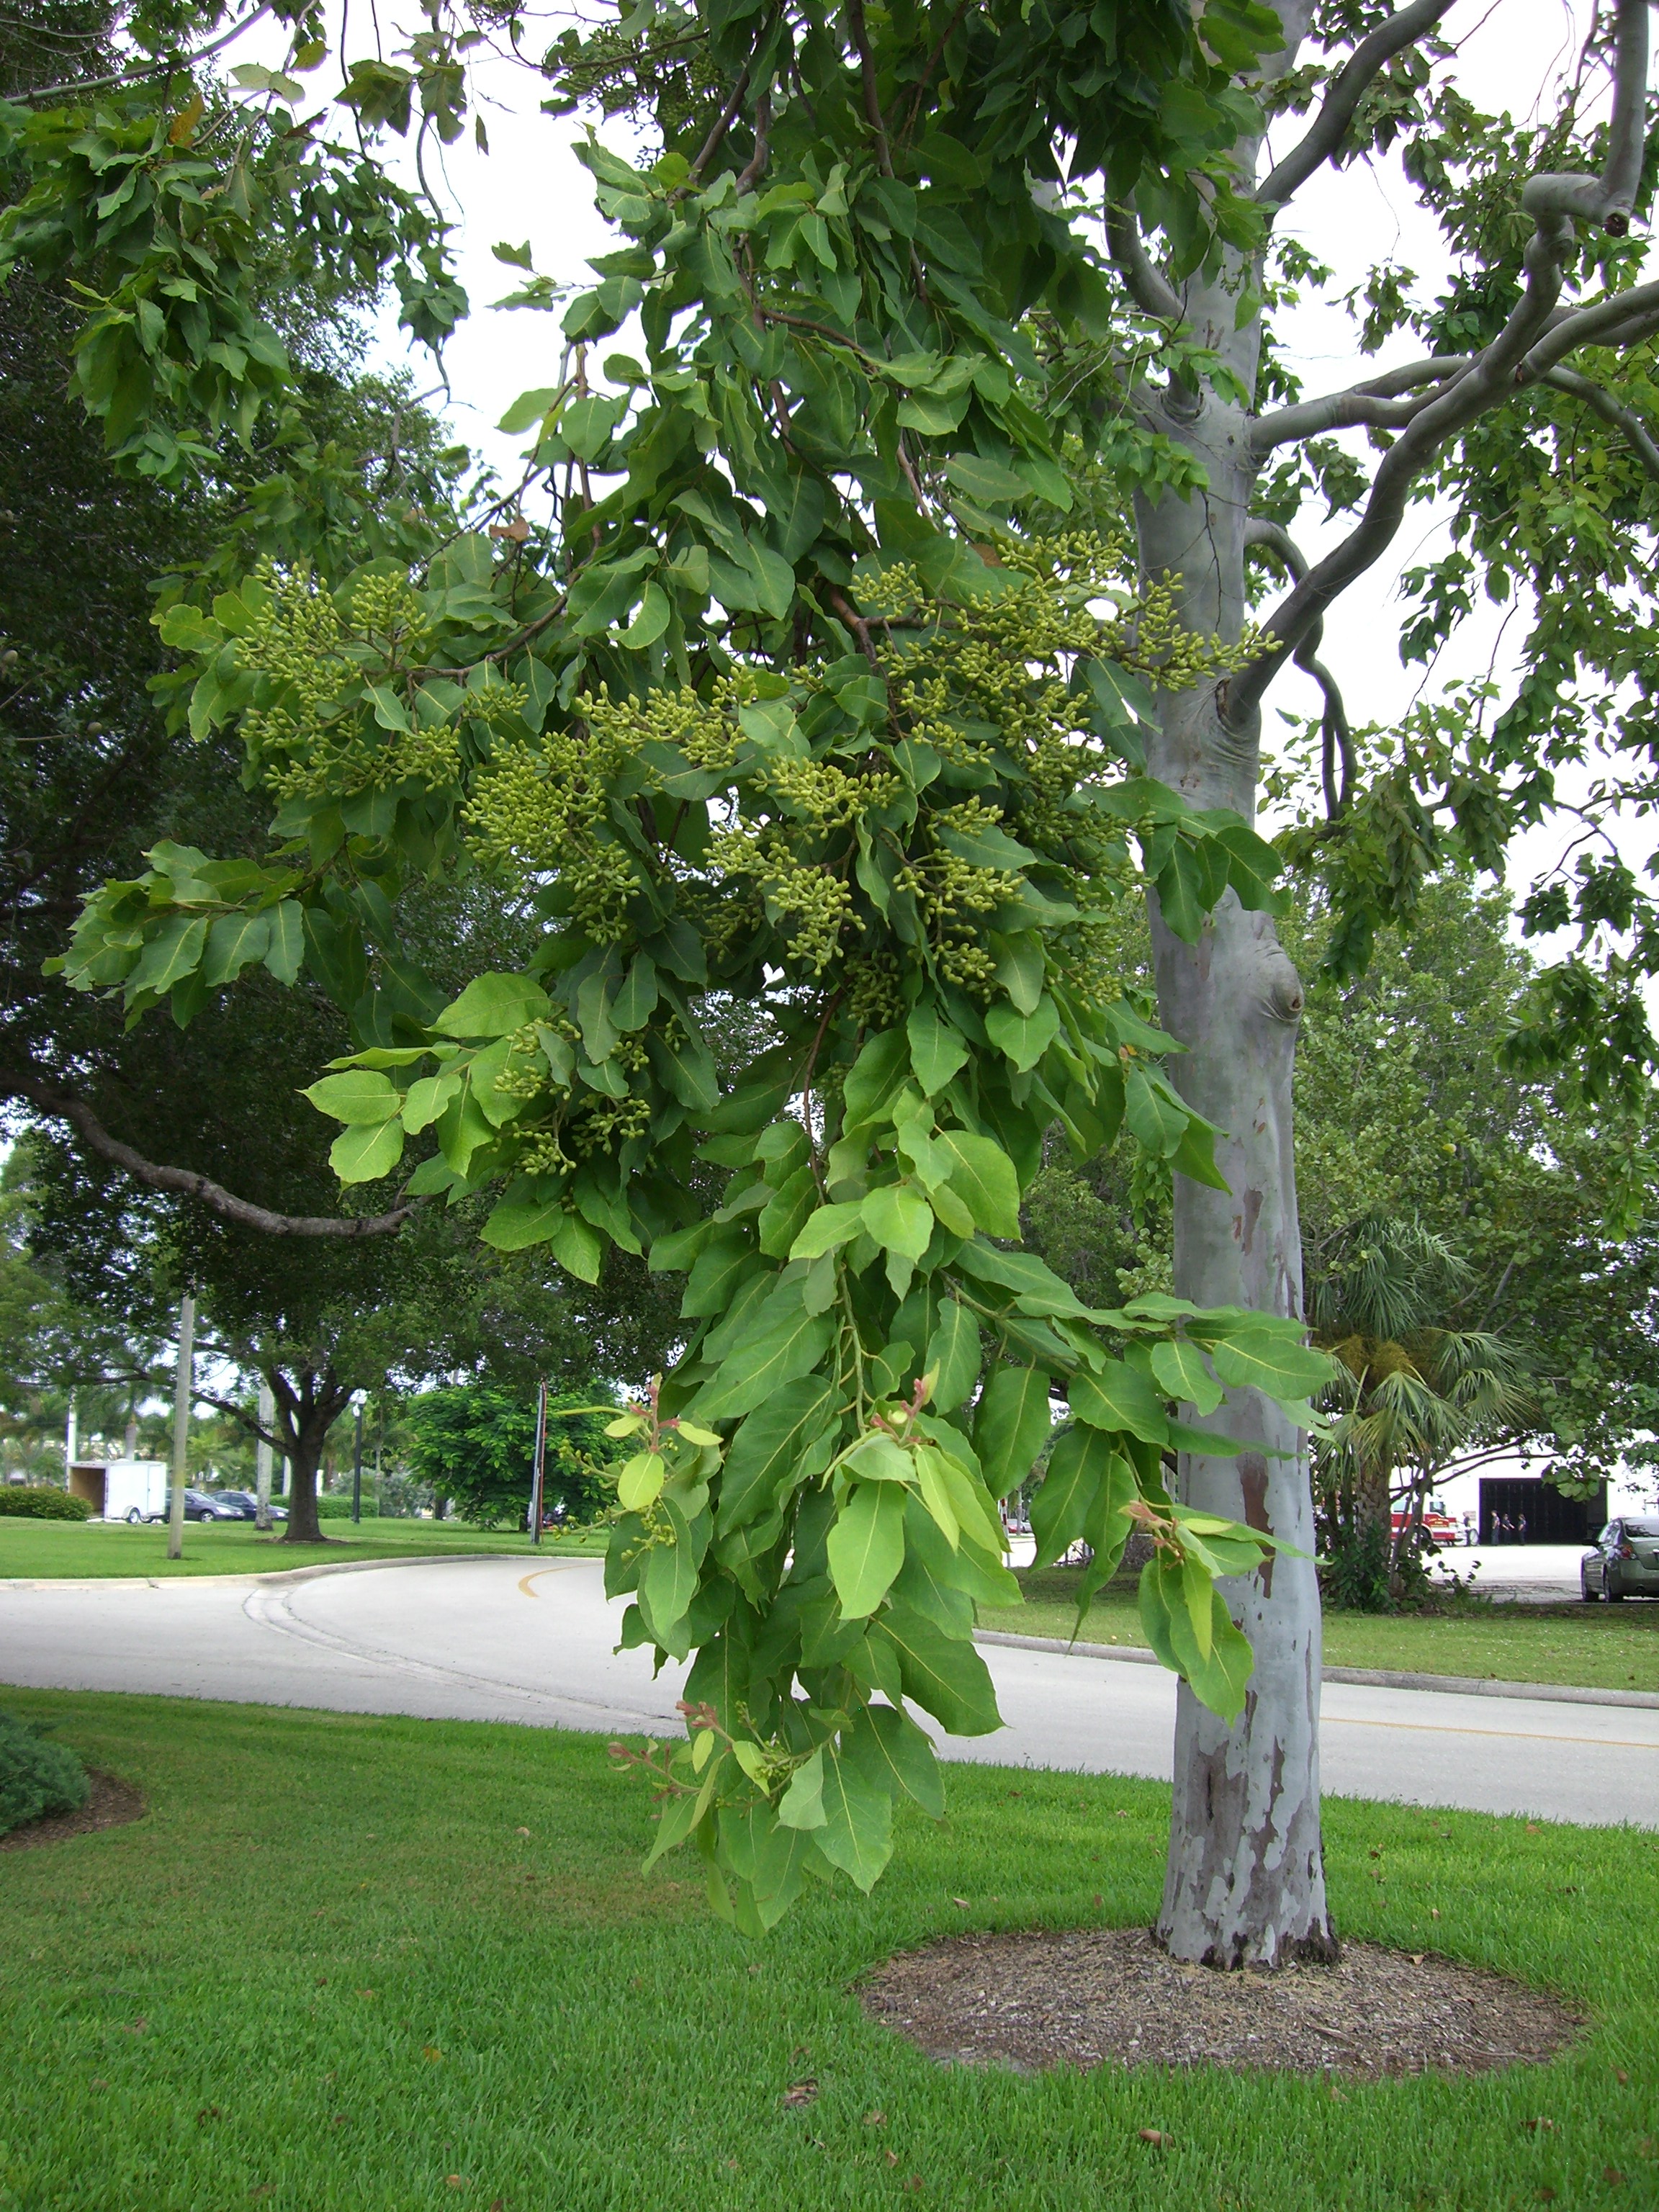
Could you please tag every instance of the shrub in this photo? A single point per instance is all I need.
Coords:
(36, 1777)
(42, 1502)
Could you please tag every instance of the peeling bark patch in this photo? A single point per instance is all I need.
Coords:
(1252, 1215)
(112, 1805)
(1253, 1482)
(1088, 1997)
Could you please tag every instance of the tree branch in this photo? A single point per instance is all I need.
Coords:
(1378, 402)
(1147, 285)
(1492, 376)
(1604, 404)
(872, 114)
(1348, 89)
(711, 145)
(1608, 199)
(162, 65)
(1336, 732)
(59, 1107)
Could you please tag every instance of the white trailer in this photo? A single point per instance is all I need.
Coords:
(122, 1489)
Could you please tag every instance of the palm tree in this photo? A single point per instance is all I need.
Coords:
(1411, 1393)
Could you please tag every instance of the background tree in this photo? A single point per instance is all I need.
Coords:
(475, 1444)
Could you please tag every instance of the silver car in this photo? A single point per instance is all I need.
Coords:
(1626, 1560)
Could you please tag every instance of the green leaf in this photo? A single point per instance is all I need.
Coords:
(937, 1050)
(578, 1247)
(899, 1220)
(826, 1229)
(774, 1449)
(1079, 1463)
(359, 1095)
(790, 1343)
(168, 955)
(1021, 967)
(1156, 1116)
(801, 1805)
(874, 1076)
(1270, 1358)
(983, 1176)
(785, 1212)
(1120, 1399)
(953, 1356)
(287, 941)
(635, 1002)
(896, 1755)
(1179, 1368)
(857, 1835)
(1011, 1423)
(514, 1225)
(945, 1677)
(652, 620)
(1024, 1038)
(364, 1155)
(494, 1005)
(235, 941)
(867, 1545)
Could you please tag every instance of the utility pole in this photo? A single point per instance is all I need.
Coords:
(357, 1465)
(262, 1458)
(71, 1439)
(538, 1467)
(181, 1397)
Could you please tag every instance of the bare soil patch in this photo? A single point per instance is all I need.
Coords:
(1089, 1997)
(112, 1805)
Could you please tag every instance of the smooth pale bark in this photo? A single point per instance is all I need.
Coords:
(1245, 1878)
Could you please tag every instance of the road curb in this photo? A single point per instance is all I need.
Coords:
(284, 1575)
(1379, 1678)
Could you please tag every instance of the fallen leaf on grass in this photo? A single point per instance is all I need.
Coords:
(522, 1832)
(341, 2120)
(1122, 1813)
(1611, 2176)
(1099, 1901)
(1338, 2096)
(208, 2113)
(915, 2182)
(1153, 2135)
(960, 1901)
(137, 2028)
(1434, 1913)
(1618, 2073)
(800, 2093)
(1418, 1957)
(1532, 2126)
(875, 2119)
(265, 2189)
(98, 2083)
(431, 2050)
(365, 1993)
(1544, 2196)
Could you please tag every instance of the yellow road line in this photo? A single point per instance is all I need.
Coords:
(536, 1574)
(1507, 1736)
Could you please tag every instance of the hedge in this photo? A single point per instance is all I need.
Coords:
(42, 1502)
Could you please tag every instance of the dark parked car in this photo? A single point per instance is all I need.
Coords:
(1626, 1560)
(205, 1505)
(247, 1505)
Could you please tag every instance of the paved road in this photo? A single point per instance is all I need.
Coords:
(488, 1640)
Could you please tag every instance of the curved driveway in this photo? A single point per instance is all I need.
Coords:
(495, 1640)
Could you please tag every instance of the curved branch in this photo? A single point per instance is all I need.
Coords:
(1385, 401)
(1348, 89)
(1336, 732)
(1608, 199)
(722, 123)
(1147, 285)
(59, 1106)
(1604, 404)
(1446, 412)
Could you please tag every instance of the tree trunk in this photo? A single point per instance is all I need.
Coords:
(1245, 1877)
(303, 1526)
(305, 1416)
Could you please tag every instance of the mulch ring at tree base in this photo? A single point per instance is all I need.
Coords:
(112, 1805)
(1089, 1997)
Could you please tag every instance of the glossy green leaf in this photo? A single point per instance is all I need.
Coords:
(867, 1545)
(1117, 1397)
(365, 1154)
(982, 1175)
(1023, 1037)
(899, 1219)
(1011, 1423)
(357, 1095)
(953, 1356)
(494, 1005)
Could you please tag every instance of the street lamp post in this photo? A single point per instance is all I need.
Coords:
(182, 1394)
(539, 1467)
(357, 1466)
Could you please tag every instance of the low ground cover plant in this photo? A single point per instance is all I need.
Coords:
(37, 1776)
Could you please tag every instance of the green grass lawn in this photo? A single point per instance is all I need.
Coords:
(1599, 1646)
(360, 1965)
(96, 1548)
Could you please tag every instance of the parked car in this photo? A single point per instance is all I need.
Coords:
(202, 1505)
(247, 1505)
(1626, 1560)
